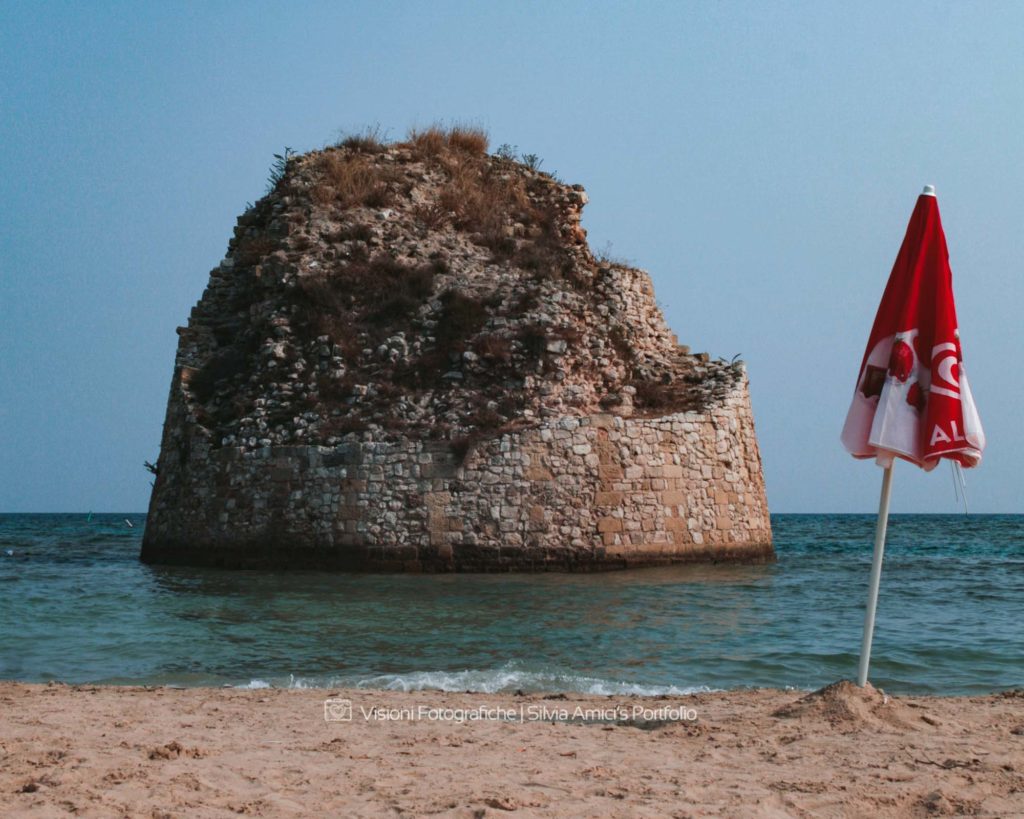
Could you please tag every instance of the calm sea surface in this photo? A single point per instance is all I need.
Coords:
(77, 606)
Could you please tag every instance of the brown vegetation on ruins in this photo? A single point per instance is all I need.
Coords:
(425, 285)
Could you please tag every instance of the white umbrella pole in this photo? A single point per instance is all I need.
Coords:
(876, 576)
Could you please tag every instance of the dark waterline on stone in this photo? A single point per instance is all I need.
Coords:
(78, 606)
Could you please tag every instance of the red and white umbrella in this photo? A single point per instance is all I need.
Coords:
(912, 399)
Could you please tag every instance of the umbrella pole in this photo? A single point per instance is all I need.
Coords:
(876, 576)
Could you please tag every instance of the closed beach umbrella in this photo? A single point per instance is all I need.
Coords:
(912, 400)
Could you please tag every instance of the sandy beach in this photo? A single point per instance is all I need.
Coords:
(162, 752)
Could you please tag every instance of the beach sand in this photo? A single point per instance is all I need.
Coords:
(161, 752)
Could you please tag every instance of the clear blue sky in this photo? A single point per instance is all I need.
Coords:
(761, 160)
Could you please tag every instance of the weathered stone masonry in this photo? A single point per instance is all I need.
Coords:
(579, 493)
(388, 379)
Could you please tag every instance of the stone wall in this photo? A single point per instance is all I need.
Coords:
(592, 492)
(410, 359)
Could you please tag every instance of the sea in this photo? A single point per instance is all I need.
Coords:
(77, 606)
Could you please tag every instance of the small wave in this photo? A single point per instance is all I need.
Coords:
(502, 680)
(505, 679)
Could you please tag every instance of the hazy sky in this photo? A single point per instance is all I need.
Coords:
(761, 160)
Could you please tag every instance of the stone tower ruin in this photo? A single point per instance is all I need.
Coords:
(409, 359)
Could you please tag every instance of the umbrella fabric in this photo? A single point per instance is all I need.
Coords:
(912, 398)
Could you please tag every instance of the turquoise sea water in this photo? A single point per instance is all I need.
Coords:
(77, 606)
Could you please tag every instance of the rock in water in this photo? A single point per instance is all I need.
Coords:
(411, 360)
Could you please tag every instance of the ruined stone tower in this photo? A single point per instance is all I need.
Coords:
(410, 360)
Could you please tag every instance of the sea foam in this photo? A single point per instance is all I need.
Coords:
(507, 678)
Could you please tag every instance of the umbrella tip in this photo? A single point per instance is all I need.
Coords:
(929, 190)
